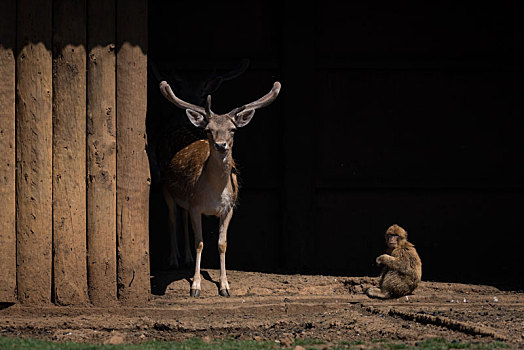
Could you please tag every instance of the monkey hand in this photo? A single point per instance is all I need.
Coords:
(383, 259)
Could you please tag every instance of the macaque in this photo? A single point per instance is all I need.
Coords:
(402, 268)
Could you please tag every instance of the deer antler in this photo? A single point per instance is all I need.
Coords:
(168, 93)
(261, 102)
(208, 105)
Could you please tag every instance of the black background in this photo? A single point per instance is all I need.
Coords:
(388, 114)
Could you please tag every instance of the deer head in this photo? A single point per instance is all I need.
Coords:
(220, 128)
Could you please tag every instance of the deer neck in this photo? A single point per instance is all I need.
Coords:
(218, 168)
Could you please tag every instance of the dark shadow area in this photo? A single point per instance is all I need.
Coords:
(388, 114)
(6, 305)
(162, 279)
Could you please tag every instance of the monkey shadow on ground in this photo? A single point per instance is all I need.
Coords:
(162, 279)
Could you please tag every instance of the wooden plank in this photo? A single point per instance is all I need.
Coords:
(34, 151)
(7, 155)
(69, 152)
(133, 177)
(101, 152)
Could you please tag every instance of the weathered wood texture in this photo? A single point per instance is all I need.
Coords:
(69, 152)
(34, 151)
(101, 152)
(7, 151)
(133, 177)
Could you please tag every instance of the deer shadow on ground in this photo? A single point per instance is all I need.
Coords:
(5, 305)
(162, 279)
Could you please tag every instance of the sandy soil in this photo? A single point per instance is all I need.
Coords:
(282, 308)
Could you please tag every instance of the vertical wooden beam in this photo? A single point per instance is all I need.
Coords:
(69, 152)
(133, 177)
(7, 151)
(101, 152)
(34, 139)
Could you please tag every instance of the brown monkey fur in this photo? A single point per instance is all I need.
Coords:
(402, 268)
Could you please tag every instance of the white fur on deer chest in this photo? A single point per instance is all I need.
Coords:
(218, 203)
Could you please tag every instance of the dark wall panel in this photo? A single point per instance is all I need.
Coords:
(393, 31)
(254, 238)
(461, 235)
(419, 128)
(206, 31)
(389, 113)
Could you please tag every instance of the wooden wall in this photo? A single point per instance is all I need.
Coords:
(60, 126)
(7, 153)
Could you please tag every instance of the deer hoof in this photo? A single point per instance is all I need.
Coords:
(224, 293)
(194, 293)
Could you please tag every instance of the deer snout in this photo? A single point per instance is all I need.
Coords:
(221, 146)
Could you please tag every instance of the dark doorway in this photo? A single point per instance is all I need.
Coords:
(388, 114)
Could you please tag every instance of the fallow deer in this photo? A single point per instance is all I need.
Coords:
(201, 177)
(193, 87)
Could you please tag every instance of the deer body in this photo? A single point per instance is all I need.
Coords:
(196, 178)
(201, 177)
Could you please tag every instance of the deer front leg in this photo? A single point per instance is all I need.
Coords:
(222, 245)
(196, 221)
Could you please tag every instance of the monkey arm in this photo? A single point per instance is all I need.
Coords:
(386, 260)
(394, 263)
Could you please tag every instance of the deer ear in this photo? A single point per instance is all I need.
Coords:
(243, 118)
(196, 118)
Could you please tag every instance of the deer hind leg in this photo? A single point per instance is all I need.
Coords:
(222, 245)
(188, 256)
(196, 221)
(171, 207)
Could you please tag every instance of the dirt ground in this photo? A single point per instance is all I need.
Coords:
(281, 309)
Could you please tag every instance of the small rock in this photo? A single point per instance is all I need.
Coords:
(299, 347)
(287, 339)
(115, 339)
(206, 339)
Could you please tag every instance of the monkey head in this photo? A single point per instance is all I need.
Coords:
(395, 236)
